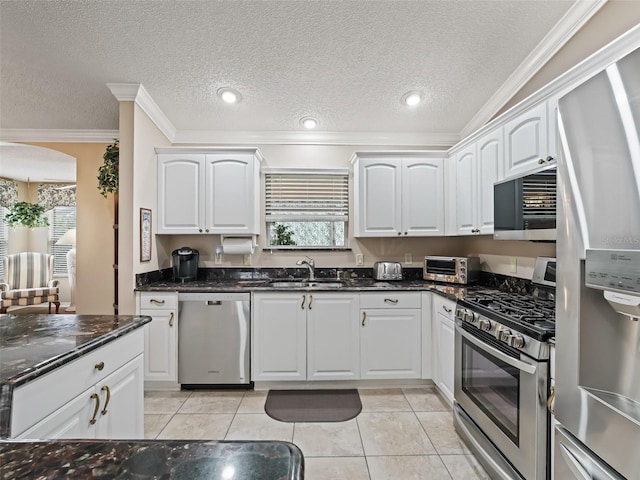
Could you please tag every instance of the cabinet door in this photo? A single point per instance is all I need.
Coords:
(180, 193)
(72, 420)
(466, 190)
(160, 346)
(279, 336)
(526, 140)
(390, 343)
(232, 189)
(445, 337)
(121, 402)
(422, 196)
(333, 337)
(379, 211)
(490, 163)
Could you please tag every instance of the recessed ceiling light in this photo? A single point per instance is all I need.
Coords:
(412, 98)
(309, 122)
(229, 95)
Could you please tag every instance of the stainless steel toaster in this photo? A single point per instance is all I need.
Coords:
(387, 271)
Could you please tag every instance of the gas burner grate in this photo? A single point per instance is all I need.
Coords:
(517, 307)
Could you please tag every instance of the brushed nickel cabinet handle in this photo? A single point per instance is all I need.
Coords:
(552, 396)
(304, 298)
(310, 301)
(99, 366)
(392, 301)
(157, 302)
(364, 317)
(446, 309)
(106, 403)
(541, 161)
(171, 319)
(94, 396)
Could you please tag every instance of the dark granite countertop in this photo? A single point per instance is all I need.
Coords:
(32, 345)
(266, 285)
(151, 459)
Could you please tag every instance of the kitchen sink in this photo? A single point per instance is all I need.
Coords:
(305, 284)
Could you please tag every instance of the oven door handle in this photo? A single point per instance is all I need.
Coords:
(514, 362)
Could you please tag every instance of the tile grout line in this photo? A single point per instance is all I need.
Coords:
(172, 416)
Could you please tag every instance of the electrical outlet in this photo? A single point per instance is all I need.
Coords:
(218, 259)
(359, 259)
(246, 259)
(408, 258)
(513, 265)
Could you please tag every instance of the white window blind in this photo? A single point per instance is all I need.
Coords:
(61, 219)
(4, 238)
(311, 197)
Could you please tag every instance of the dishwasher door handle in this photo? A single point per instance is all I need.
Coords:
(214, 302)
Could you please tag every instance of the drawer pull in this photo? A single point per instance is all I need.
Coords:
(94, 396)
(310, 301)
(99, 366)
(157, 302)
(304, 298)
(392, 301)
(106, 403)
(446, 309)
(364, 317)
(171, 319)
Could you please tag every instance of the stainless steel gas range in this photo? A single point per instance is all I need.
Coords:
(501, 380)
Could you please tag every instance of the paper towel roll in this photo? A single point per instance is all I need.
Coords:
(238, 245)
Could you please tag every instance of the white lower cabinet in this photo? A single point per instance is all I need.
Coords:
(99, 395)
(390, 340)
(279, 336)
(443, 344)
(333, 336)
(160, 337)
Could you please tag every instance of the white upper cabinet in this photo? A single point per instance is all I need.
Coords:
(478, 167)
(398, 195)
(526, 141)
(208, 191)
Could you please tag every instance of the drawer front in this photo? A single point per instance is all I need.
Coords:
(391, 300)
(445, 306)
(164, 301)
(38, 398)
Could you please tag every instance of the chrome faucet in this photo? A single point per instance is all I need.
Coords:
(311, 264)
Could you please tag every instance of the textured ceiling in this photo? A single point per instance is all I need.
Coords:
(345, 62)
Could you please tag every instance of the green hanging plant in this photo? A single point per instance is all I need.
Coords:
(26, 214)
(108, 176)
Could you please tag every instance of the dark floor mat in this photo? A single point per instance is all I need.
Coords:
(313, 405)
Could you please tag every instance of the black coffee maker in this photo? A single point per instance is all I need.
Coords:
(185, 264)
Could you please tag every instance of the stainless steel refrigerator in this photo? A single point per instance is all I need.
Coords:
(598, 276)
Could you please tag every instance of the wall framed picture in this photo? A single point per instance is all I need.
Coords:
(145, 235)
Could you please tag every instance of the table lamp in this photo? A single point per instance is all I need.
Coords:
(69, 238)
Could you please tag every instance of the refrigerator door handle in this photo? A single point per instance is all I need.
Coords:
(574, 464)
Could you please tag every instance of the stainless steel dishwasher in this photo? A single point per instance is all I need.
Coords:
(213, 339)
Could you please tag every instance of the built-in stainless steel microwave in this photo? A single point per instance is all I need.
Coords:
(451, 269)
(524, 207)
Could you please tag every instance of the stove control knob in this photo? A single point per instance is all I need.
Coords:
(484, 324)
(502, 334)
(469, 317)
(460, 313)
(516, 341)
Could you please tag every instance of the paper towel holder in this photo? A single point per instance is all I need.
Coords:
(253, 238)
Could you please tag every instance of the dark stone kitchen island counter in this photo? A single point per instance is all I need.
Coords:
(151, 459)
(33, 345)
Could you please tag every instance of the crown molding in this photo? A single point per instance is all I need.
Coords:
(557, 37)
(135, 92)
(58, 136)
(316, 138)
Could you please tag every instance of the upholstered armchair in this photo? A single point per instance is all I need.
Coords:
(28, 278)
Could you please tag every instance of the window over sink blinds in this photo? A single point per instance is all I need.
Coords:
(306, 195)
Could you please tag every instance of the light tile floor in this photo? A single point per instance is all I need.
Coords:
(400, 433)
